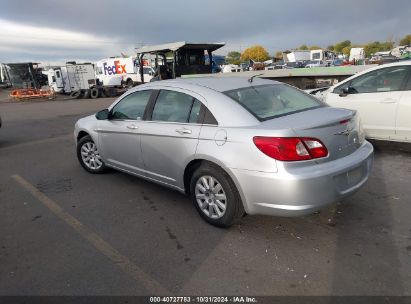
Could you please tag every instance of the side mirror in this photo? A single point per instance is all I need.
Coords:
(103, 114)
(345, 92)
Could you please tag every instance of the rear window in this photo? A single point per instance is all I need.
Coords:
(270, 101)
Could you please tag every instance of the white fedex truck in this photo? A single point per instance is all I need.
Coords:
(120, 71)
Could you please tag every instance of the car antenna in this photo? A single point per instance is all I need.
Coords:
(252, 77)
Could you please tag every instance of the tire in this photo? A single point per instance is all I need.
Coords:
(110, 92)
(75, 94)
(96, 164)
(94, 93)
(129, 84)
(223, 186)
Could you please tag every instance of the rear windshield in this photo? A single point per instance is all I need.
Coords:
(273, 100)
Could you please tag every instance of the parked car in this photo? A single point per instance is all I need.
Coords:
(316, 64)
(295, 65)
(382, 96)
(235, 145)
(245, 66)
(335, 62)
(231, 68)
(383, 59)
(279, 65)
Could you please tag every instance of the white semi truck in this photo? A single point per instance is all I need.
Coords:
(74, 79)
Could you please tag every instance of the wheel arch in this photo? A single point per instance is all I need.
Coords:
(82, 134)
(197, 162)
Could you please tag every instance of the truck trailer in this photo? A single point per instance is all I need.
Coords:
(73, 78)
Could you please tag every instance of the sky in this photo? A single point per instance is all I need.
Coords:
(89, 30)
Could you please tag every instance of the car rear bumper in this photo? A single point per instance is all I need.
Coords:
(301, 191)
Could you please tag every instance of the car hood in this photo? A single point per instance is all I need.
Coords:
(87, 119)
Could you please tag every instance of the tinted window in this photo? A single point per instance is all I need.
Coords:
(382, 80)
(209, 118)
(269, 101)
(132, 106)
(408, 85)
(172, 106)
(195, 112)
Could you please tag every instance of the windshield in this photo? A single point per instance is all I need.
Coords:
(270, 101)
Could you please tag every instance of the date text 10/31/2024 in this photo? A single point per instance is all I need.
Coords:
(203, 299)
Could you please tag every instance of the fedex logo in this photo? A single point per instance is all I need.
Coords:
(115, 69)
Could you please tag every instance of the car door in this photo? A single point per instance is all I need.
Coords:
(375, 95)
(170, 135)
(403, 124)
(119, 138)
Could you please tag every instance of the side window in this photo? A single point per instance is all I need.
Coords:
(132, 106)
(172, 106)
(195, 112)
(382, 80)
(209, 118)
(408, 85)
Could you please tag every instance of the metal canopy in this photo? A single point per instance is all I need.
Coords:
(172, 47)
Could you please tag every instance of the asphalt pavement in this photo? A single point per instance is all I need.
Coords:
(64, 231)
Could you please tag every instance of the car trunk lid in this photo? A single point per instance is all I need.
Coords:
(338, 129)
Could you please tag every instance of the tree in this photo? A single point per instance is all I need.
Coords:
(406, 40)
(338, 47)
(255, 53)
(346, 50)
(315, 47)
(330, 47)
(303, 47)
(278, 55)
(233, 57)
(377, 46)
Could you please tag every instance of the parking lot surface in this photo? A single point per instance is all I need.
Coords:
(64, 231)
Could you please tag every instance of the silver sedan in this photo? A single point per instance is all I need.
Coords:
(235, 145)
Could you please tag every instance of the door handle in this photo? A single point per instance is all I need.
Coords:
(183, 131)
(388, 100)
(132, 127)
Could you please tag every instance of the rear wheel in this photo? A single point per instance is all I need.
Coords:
(129, 84)
(88, 155)
(215, 196)
(94, 93)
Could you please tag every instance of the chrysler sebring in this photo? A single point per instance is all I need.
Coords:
(235, 145)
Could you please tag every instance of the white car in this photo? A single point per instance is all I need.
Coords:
(382, 96)
(231, 68)
(316, 64)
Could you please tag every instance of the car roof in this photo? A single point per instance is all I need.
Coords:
(211, 88)
(219, 84)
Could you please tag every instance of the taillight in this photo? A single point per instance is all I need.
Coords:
(291, 148)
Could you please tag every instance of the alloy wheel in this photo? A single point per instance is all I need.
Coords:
(90, 156)
(210, 197)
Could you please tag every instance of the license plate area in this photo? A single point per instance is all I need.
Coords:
(355, 176)
(349, 179)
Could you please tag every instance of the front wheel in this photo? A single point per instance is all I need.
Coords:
(89, 157)
(215, 196)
